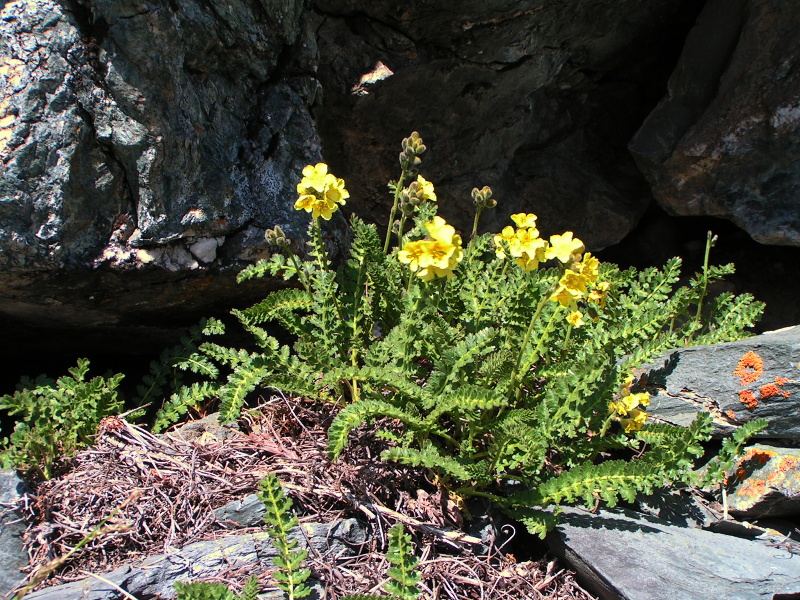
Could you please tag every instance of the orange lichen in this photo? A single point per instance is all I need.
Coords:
(749, 399)
(781, 380)
(750, 368)
(752, 488)
(769, 390)
(731, 415)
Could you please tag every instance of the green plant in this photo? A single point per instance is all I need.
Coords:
(509, 363)
(57, 417)
(166, 372)
(203, 590)
(290, 575)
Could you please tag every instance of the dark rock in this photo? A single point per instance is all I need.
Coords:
(125, 168)
(13, 557)
(155, 576)
(625, 556)
(247, 512)
(766, 483)
(736, 382)
(724, 141)
(533, 101)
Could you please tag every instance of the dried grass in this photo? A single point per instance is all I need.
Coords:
(181, 479)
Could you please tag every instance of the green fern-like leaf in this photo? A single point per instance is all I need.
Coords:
(537, 522)
(181, 401)
(430, 457)
(731, 449)
(464, 400)
(240, 383)
(290, 576)
(606, 481)
(403, 572)
(203, 591)
(365, 411)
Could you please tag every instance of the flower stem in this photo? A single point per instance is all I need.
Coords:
(398, 190)
(710, 241)
(526, 339)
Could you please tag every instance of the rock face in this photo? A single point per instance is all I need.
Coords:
(13, 556)
(146, 139)
(507, 94)
(723, 141)
(736, 382)
(146, 146)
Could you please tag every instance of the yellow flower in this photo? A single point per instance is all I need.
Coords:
(563, 247)
(628, 403)
(598, 294)
(435, 257)
(528, 242)
(575, 318)
(315, 178)
(509, 236)
(440, 231)
(525, 220)
(426, 188)
(320, 192)
(574, 282)
(411, 254)
(636, 420)
(565, 298)
(589, 267)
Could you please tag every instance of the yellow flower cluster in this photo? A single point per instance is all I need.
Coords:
(579, 282)
(627, 407)
(528, 249)
(436, 256)
(320, 192)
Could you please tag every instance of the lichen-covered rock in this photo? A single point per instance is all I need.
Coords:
(155, 576)
(147, 139)
(766, 483)
(736, 382)
(724, 141)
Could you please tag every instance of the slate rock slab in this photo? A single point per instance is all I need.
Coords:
(247, 512)
(736, 382)
(766, 483)
(156, 575)
(622, 555)
(13, 556)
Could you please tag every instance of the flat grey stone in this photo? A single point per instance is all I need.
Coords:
(13, 556)
(247, 512)
(622, 555)
(689, 380)
(155, 576)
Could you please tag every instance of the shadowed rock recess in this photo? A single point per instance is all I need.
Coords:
(145, 145)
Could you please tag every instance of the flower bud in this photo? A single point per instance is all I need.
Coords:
(483, 197)
(275, 237)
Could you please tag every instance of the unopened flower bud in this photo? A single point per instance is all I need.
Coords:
(275, 237)
(483, 197)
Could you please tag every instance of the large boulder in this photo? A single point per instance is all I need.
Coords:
(724, 141)
(533, 100)
(143, 146)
